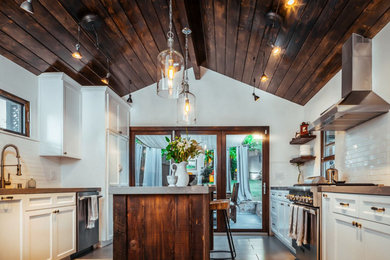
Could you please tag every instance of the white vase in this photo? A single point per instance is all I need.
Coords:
(181, 173)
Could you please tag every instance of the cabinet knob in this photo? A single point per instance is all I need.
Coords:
(7, 198)
(65, 152)
(354, 223)
(324, 195)
(56, 211)
(359, 225)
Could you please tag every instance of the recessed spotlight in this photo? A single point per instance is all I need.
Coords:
(290, 3)
(276, 50)
(263, 78)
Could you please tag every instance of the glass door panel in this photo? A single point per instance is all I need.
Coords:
(244, 176)
(150, 165)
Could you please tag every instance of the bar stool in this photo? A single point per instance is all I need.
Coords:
(224, 205)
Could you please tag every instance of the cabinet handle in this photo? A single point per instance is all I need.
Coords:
(65, 152)
(378, 209)
(324, 195)
(7, 198)
(282, 204)
(359, 225)
(273, 207)
(56, 211)
(354, 223)
(344, 204)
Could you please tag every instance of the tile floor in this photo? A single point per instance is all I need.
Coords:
(246, 221)
(248, 247)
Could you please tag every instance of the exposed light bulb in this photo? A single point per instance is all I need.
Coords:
(171, 72)
(187, 106)
(263, 78)
(276, 50)
(106, 80)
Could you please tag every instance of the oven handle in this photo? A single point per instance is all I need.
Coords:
(86, 197)
(312, 211)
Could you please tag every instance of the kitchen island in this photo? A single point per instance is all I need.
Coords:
(161, 222)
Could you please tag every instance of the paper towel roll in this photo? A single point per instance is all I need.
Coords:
(305, 150)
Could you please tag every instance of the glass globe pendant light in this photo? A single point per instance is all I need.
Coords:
(170, 67)
(186, 114)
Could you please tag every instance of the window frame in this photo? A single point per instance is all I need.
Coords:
(327, 158)
(26, 114)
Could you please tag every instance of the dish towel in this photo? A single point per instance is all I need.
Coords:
(306, 227)
(93, 213)
(300, 226)
(291, 221)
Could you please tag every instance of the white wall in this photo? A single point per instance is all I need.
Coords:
(222, 101)
(363, 152)
(18, 81)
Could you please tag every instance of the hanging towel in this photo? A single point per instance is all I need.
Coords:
(300, 223)
(295, 222)
(306, 227)
(291, 221)
(93, 213)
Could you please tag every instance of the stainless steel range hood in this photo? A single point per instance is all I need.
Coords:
(359, 103)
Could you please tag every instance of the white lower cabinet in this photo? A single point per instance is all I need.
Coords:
(11, 221)
(32, 232)
(353, 237)
(280, 215)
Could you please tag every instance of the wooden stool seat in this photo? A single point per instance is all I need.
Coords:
(222, 204)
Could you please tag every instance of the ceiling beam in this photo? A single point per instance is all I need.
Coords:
(190, 16)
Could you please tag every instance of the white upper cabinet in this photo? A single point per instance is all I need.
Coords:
(118, 114)
(59, 115)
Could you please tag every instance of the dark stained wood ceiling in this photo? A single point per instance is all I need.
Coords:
(229, 36)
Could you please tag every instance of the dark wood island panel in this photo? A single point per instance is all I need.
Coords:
(161, 226)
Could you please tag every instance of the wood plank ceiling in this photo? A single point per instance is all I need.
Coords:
(229, 36)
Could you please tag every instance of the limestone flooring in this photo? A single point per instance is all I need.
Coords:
(248, 247)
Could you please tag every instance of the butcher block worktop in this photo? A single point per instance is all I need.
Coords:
(45, 190)
(160, 190)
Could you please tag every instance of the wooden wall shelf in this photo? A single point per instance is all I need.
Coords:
(302, 159)
(302, 139)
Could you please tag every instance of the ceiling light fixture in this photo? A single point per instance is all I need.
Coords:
(77, 53)
(129, 99)
(255, 97)
(27, 6)
(106, 79)
(91, 23)
(263, 77)
(186, 102)
(170, 66)
(276, 50)
(290, 3)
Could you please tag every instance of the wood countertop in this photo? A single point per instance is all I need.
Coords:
(368, 190)
(159, 190)
(45, 190)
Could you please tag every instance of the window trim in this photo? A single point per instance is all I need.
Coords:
(26, 114)
(327, 158)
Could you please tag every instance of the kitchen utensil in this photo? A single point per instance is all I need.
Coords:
(332, 175)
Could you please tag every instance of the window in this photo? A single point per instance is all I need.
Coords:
(327, 151)
(14, 114)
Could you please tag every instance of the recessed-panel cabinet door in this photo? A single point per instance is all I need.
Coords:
(123, 161)
(38, 234)
(113, 158)
(376, 240)
(347, 239)
(72, 121)
(64, 231)
(113, 111)
(11, 222)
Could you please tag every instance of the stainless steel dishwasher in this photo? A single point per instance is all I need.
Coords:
(86, 237)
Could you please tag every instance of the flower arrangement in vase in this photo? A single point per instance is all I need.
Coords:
(181, 150)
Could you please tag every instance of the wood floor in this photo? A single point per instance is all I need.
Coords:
(247, 247)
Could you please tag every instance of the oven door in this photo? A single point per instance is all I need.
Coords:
(310, 251)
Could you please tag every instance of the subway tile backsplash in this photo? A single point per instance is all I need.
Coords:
(363, 152)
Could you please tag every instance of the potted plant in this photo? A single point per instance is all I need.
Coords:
(181, 150)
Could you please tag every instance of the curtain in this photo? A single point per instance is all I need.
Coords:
(215, 166)
(153, 167)
(154, 141)
(244, 192)
(138, 158)
(228, 174)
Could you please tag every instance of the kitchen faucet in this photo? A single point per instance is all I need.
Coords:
(2, 165)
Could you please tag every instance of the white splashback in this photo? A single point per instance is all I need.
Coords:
(46, 171)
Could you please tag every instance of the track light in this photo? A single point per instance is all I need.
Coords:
(255, 97)
(27, 6)
(290, 3)
(77, 53)
(129, 99)
(106, 79)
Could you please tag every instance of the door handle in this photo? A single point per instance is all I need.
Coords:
(264, 188)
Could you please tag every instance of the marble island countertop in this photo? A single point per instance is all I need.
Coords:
(159, 190)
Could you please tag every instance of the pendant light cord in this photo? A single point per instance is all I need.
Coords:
(170, 33)
(186, 60)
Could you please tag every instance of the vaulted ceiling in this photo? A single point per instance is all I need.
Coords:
(229, 36)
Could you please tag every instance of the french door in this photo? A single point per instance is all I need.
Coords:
(234, 157)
